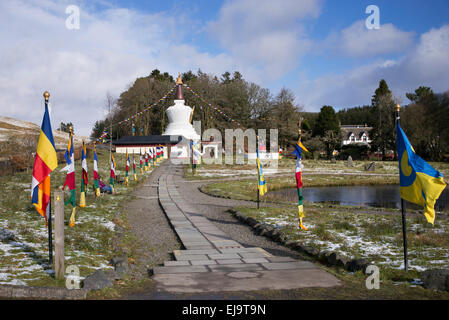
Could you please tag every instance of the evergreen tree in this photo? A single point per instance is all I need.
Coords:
(65, 127)
(327, 120)
(383, 107)
(420, 94)
(327, 128)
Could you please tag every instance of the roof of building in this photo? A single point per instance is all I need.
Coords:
(355, 126)
(147, 140)
(357, 130)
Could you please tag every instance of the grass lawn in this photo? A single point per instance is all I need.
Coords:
(286, 166)
(24, 261)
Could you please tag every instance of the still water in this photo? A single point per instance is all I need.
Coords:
(385, 196)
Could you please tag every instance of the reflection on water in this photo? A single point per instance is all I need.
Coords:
(386, 196)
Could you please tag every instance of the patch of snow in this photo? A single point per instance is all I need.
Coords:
(14, 282)
(19, 123)
(110, 225)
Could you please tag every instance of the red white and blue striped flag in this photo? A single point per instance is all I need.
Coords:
(96, 176)
(84, 176)
(70, 177)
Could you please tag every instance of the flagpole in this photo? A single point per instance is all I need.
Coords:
(403, 212)
(50, 242)
(258, 196)
(110, 131)
(258, 175)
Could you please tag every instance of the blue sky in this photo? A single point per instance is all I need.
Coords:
(320, 49)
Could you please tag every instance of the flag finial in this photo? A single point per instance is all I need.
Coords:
(398, 107)
(46, 96)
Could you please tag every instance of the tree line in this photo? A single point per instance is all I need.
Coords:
(424, 119)
(250, 105)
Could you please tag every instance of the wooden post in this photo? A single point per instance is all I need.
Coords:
(59, 234)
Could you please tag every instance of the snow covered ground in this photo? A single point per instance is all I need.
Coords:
(358, 242)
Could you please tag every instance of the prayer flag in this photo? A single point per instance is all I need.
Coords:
(96, 176)
(262, 185)
(84, 177)
(70, 177)
(420, 183)
(298, 171)
(45, 162)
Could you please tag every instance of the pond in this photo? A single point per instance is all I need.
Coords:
(385, 196)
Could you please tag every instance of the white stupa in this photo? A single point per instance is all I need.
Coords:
(179, 116)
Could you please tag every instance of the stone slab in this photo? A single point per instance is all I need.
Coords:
(180, 269)
(246, 250)
(255, 260)
(191, 243)
(197, 247)
(222, 256)
(214, 238)
(244, 281)
(177, 224)
(229, 261)
(225, 244)
(176, 263)
(289, 265)
(192, 237)
(236, 267)
(190, 252)
(187, 230)
(202, 262)
(192, 257)
(177, 219)
(249, 255)
(228, 247)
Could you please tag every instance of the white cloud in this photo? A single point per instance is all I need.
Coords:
(266, 33)
(262, 39)
(358, 41)
(425, 64)
(112, 47)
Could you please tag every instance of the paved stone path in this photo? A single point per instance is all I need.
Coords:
(213, 262)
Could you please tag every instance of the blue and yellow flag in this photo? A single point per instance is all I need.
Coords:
(298, 149)
(420, 183)
(262, 185)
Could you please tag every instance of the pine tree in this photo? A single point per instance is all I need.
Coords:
(384, 120)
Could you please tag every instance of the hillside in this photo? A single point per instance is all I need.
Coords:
(18, 143)
(22, 131)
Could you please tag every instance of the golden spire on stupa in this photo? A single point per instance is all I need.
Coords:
(179, 95)
(179, 80)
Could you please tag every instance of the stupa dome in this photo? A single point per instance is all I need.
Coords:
(179, 116)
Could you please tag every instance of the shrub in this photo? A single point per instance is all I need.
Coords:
(356, 151)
